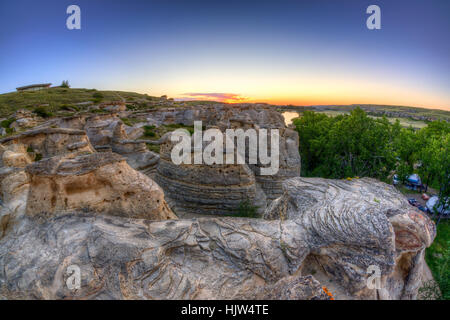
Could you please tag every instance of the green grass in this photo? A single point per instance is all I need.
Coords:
(56, 98)
(153, 147)
(405, 121)
(247, 210)
(438, 258)
(148, 131)
(43, 112)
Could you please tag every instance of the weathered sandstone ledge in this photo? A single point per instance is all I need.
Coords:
(328, 224)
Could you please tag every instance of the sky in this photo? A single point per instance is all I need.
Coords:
(282, 52)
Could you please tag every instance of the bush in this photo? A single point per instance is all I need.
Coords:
(6, 123)
(246, 209)
(98, 96)
(42, 112)
(148, 131)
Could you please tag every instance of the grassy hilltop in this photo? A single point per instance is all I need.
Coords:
(55, 99)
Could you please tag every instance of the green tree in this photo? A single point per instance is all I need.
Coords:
(65, 84)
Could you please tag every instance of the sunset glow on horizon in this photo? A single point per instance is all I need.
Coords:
(283, 52)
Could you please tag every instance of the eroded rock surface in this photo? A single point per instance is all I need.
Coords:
(344, 226)
(222, 188)
(357, 224)
(98, 182)
(49, 142)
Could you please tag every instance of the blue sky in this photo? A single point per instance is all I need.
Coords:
(300, 52)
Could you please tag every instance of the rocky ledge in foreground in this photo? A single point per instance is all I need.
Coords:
(101, 183)
(341, 227)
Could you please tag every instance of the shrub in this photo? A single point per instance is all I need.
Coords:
(6, 123)
(246, 209)
(98, 96)
(42, 112)
(148, 131)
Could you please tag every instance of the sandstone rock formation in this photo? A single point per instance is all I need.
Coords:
(24, 119)
(78, 206)
(14, 184)
(357, 224)
(340, 226)
(49, 142)
(220, 189)
(98, 182)
(206, 189)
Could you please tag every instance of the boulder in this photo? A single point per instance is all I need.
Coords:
(49, 142)
(206, 189)
(100, 182)
(357, 224)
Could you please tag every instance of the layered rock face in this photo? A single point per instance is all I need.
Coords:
(98, 182)
(206, 189)
(289, 165)
(337, 225)
(220, 189)
(109, 133)
(52, 141)
(217, 114)
(198, 189)
(14, 184)
(71, 176)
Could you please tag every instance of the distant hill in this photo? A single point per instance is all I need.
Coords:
(405, 112)
(58, 99)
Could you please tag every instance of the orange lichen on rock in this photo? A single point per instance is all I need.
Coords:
(328, 292)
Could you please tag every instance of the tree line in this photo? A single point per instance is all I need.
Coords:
(356, 145)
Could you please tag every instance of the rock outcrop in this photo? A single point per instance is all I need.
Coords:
(14, 184)
(99, 182)
(221, 189)
(206, 189)
(357, 224)
(24, 119)
(343, 227)
(49, 142)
